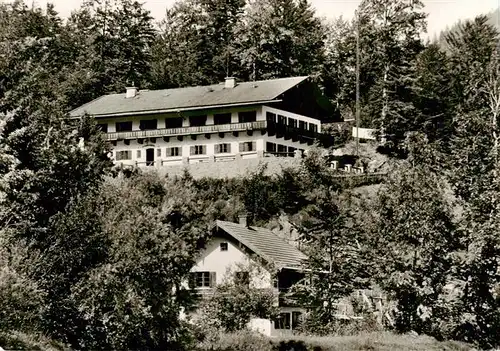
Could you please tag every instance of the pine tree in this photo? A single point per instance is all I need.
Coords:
(390, 41)
(195, 45)
(280, 38)
(116, 38)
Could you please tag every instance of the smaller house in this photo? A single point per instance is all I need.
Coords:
(238, 244)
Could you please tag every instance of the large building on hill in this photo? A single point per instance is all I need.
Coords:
(215, 123)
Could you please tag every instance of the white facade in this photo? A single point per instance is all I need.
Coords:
(162, 144)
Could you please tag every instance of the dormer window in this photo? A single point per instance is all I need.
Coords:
(223, 246)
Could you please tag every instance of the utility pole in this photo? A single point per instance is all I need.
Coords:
(358, 112)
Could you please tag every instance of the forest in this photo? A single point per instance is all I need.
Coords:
(92, 257)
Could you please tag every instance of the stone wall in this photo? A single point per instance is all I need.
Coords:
(232, 169)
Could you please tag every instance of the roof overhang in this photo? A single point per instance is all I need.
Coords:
(178, 110)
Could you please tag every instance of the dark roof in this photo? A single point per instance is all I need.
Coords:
(191, 98)
(265, 244)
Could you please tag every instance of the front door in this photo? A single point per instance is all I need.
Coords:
(150, 157)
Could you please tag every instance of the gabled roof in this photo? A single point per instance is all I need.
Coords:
(265, 244)
(190, 98)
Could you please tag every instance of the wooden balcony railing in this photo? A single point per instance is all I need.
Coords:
(273, 128)
(216, 128)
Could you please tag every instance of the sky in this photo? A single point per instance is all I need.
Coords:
(442, 13)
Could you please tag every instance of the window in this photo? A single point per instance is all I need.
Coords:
(202, 279)
(248, 116)
(292, 122)
(242, 278)
(173, 151)
(222, 118)
(222, 148)
(173, 122)
(302, 125)
(223, 246)
(313, 128)
(248, 146)
(197, 121)
(283, 321)
(282, 148)
(270, 147)
(123, 155)
(296, 319)
(271, 117)
(123, 126)
(158, 152)
(198, 150)
(138, 153)
(148, 124)
(103, 127)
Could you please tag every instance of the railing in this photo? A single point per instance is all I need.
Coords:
(216, 128)
(279, 154)
(300, 134)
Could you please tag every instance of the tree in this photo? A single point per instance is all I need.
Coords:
(115, 39)
(280, 38)
(415, 238)
(473, 173)
(470, 48)
(331, 240)
(390, 41)
(339, 70)
(132, 299)
(431, 95)
(195, 45)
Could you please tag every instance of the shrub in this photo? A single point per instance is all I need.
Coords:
(21, 300)
(340, 327)
(237, 300)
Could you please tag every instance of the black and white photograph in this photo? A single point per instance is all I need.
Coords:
(250, 175)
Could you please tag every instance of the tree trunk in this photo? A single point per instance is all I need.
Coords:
(385, 102)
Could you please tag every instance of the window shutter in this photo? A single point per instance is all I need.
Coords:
(204, 150)
(193, 150)
(179, 151)
(242, 147)
(229, 148)
(217, 148)
(212, 279)
(254, 146)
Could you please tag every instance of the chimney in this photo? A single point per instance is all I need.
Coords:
(230, 83)
(243, 219)
(131, 92)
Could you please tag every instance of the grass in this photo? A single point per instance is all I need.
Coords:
(373, 341)
(379, 341)
(22, 341)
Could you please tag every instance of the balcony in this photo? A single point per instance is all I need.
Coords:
(155, 133)
(271, 127)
